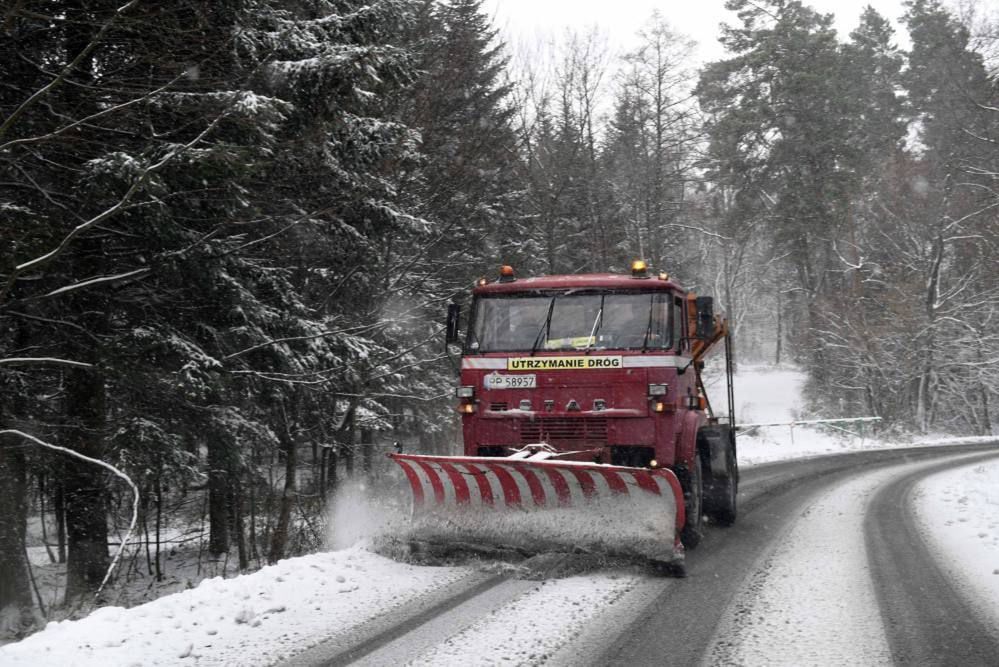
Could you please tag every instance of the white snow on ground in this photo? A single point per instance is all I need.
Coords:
(765, 395)
(255, 619)
(959, 513)
(811, 601)
(532, 627)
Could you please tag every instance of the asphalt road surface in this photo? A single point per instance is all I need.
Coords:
(824, 566)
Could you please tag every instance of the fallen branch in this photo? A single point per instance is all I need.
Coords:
(107, 466)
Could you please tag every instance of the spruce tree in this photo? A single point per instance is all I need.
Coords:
(780, 106)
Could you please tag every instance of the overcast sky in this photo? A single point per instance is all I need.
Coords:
(620, 19)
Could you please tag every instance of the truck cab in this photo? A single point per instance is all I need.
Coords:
(597, 367)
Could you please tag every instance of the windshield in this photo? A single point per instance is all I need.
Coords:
(576, 321)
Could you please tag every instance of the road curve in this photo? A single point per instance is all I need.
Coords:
(925, 615)
(678, 621)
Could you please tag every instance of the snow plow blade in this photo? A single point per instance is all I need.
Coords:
(546, 505)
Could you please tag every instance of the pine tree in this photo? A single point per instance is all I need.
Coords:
(653, 146)
(856, 316)
(237, 179)
(462, 109)
(779, 107)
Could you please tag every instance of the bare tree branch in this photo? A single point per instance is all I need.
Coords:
(108, 466)
(107, 213)
(41, 92)
(49, 361)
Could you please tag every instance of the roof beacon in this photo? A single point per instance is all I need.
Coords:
(506, 274)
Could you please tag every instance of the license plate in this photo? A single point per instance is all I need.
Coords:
(522, 381)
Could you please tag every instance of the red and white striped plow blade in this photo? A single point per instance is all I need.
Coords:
(546, 505)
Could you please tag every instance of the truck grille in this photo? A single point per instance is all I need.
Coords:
(557, 430)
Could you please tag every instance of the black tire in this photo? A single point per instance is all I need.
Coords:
(721, 493)
(692, 482)
(677, 570)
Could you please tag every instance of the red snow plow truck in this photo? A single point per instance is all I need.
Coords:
(585, 420)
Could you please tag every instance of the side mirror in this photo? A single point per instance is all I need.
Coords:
(453, 323)
(705, 317)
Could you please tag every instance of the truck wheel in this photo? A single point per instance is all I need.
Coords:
(720, 493)
(721, 483)
(692, 482)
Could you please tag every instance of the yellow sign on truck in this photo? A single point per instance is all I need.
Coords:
(563, 363)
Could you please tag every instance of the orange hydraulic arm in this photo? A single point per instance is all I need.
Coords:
(700, 347)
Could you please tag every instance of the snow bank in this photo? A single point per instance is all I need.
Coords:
(765, 394)
(958, 511)
(254, 619)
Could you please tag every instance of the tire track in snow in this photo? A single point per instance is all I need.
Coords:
(812, 601)
(531, 628)
(929, 618)
(356, 643)
(678, 619)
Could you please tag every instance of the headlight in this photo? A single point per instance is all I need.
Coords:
(658, 389)
(465, 392)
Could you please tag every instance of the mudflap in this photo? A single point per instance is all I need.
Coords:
(546, 505)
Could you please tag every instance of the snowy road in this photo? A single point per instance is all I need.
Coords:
(929, 618)
(829, 563)
(825, 566)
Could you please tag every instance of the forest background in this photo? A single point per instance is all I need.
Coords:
(229, 230)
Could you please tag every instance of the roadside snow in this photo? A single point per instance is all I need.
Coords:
(255, 619)
(765, 395)
(958, 511)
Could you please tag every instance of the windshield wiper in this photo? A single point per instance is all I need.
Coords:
(546, 327)
(648, 328)
(473, 342)
(597, 323)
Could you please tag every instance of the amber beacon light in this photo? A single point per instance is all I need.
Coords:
(639, 269)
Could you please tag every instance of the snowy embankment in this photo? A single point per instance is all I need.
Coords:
(767, 395)
(255, 619)
(959, 513)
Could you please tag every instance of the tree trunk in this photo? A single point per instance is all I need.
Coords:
(236, 505)
(159, 526)
(779, 334)
(85, 486)
(218, 496)
(59, 510)
(347, 438)
(279, 538)
(367, 447)
(15, 595)
(331, 463)
(254, 553)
